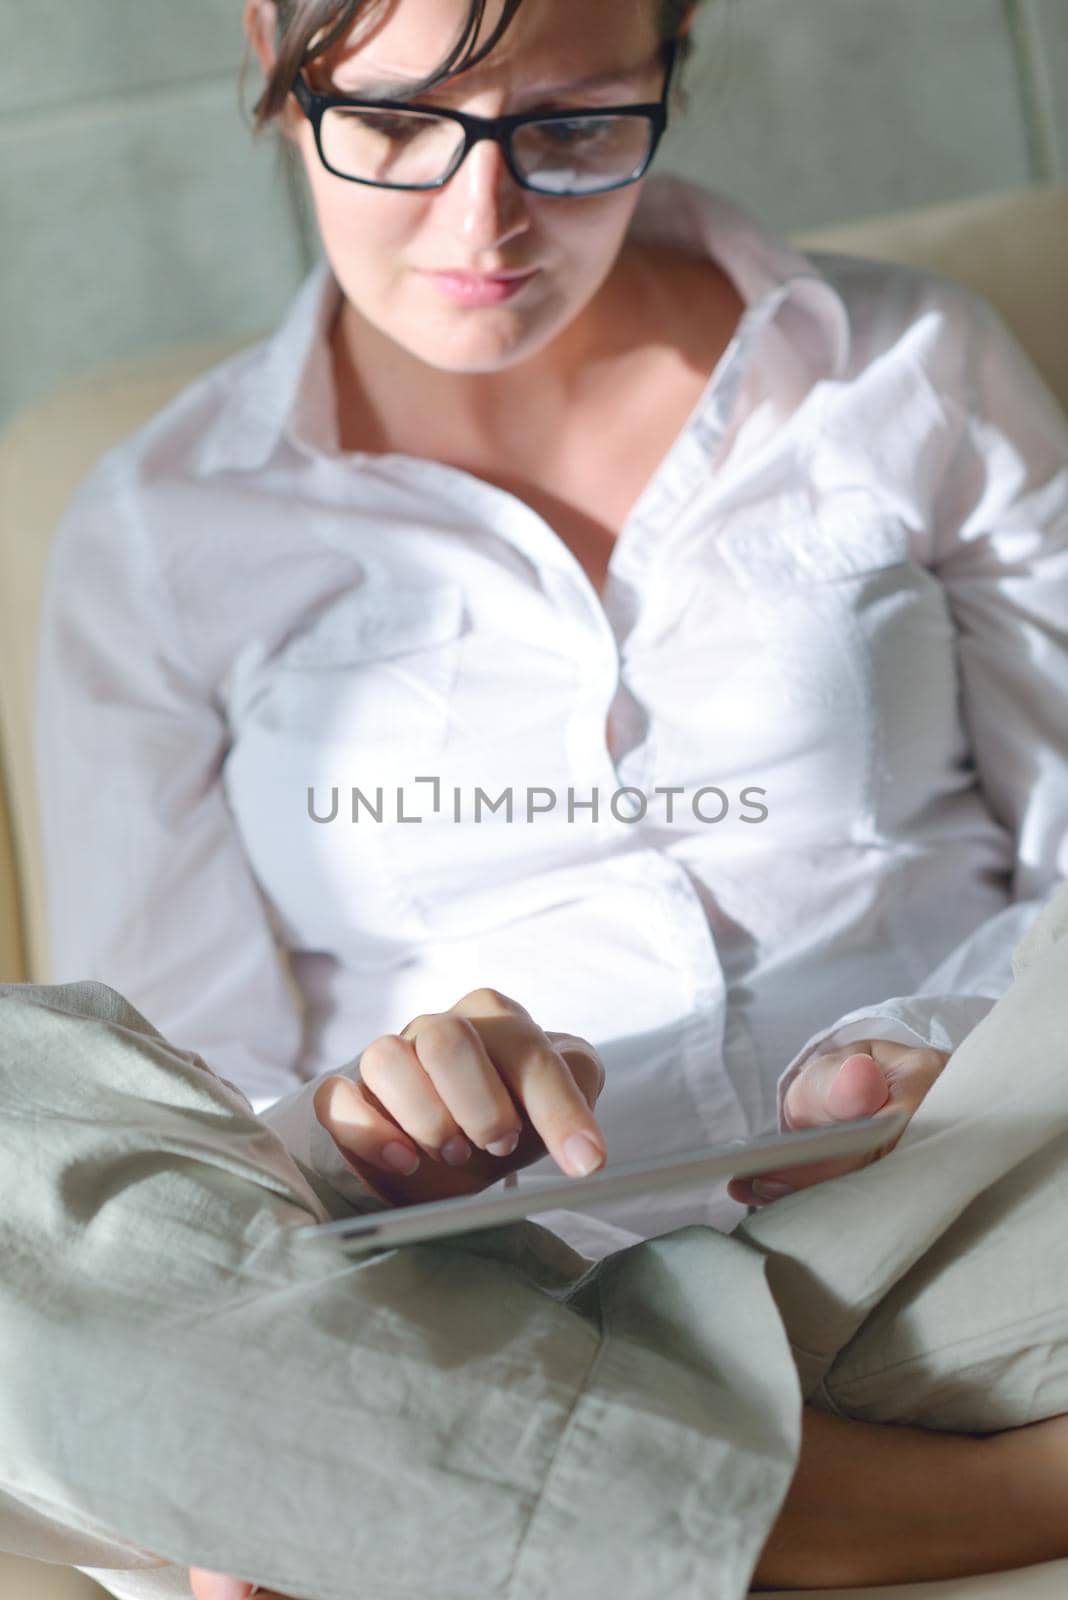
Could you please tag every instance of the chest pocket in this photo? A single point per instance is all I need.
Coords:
(789, 546)
(374, 674)
(851, 681)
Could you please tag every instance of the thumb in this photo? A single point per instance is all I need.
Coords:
(843, 1086)
(839, 1087)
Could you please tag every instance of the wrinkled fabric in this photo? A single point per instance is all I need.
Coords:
(495, 1417)
(932, 1288)
(841, 601)
(185, 1381)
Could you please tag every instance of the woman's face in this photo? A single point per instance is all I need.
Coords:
(383, 244)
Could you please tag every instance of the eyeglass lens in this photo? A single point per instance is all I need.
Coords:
(558, 156)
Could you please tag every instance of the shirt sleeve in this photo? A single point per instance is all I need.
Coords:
(1000, 548)
(148, 886)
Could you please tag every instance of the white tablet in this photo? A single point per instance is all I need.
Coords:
(741, 1158)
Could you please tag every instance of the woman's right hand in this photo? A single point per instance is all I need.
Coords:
(474, 1077)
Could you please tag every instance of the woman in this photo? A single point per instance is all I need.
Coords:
(741, 573)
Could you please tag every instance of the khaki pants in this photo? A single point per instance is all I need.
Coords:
(493, 1417)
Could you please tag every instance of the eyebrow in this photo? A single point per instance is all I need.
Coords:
(398, 88)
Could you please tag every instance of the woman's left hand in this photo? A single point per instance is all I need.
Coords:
(856, 1080)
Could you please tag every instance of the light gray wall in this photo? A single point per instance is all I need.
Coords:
(136, 210)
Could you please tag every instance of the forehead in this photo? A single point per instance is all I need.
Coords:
(548, 43)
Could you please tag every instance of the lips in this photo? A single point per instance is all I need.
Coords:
(480, 277)
(483, 274)
(480, 289)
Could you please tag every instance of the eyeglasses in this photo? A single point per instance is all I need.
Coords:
(395, 144)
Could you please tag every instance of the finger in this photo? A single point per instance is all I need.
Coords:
(587, 1067)
(739, 1189)
(840, 1086)
(476, 1103)
(844, 1085)
(789, 1180)
(354, 1120)
(392, 1114)
(838, 1090)
(435, 1081)
(540, 1079)
(836, 1087)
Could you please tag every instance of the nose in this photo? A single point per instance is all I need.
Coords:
(484, 201)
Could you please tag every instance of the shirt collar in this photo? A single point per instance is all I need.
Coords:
(284, 391)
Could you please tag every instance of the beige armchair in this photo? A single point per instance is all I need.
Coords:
(1010, 247)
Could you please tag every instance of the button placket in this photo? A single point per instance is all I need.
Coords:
(704, 1049)
(689, 936)
(657, 523)
(599, 629)
(577, 608)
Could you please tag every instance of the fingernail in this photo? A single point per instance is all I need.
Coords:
(399, 1158)
(505, 1146)
(581, 1154)
(771, 1189)
(456, 1151)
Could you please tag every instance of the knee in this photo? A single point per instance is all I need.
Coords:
(85, 997)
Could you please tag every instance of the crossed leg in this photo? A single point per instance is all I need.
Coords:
(186, 1381)
(195, 1381)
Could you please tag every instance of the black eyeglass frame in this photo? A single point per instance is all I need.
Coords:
(499, 129)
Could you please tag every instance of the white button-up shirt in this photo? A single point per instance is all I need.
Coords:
(799, 779)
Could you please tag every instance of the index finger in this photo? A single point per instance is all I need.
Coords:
(540, 1079)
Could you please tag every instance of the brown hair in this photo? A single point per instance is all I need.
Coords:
(308, 29)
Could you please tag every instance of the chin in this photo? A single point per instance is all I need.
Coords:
(469, 365)
(472, 349)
